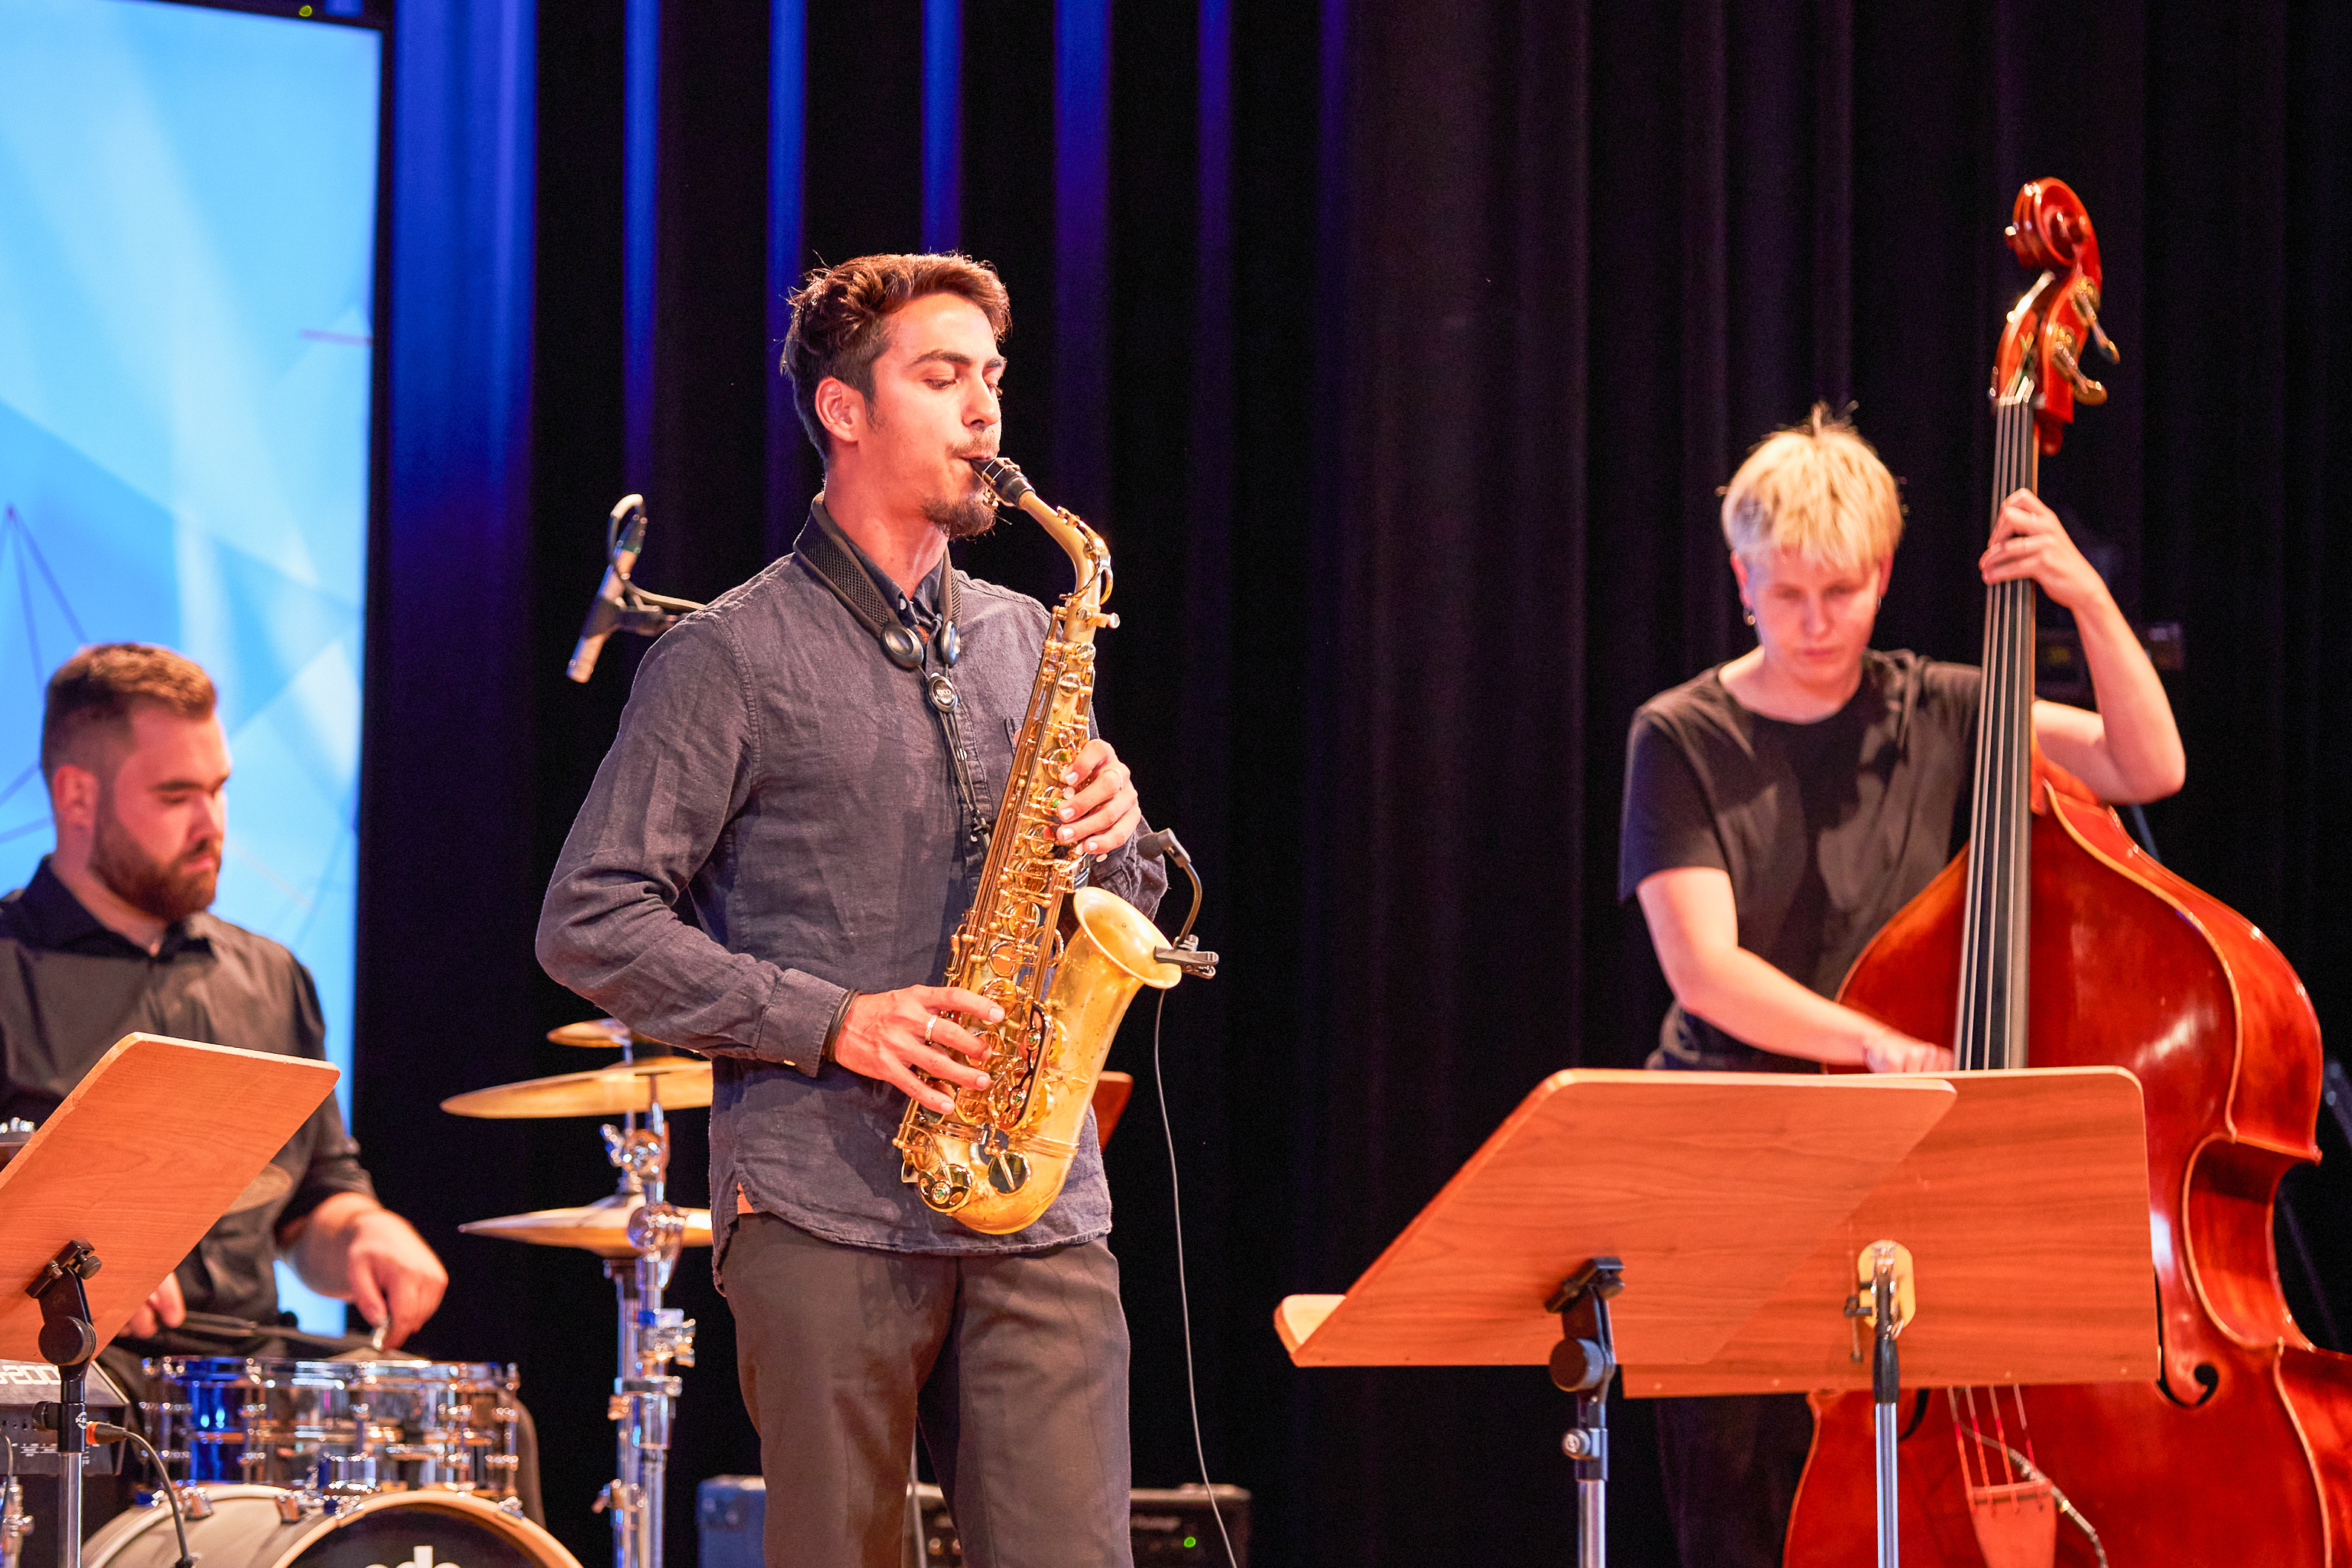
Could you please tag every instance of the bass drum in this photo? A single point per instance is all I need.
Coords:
(390, 1530)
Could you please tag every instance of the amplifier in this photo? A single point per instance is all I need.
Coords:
(24, 1384)
(1166, 1526)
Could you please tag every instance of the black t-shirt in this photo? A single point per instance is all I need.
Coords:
(1825, 829)
(70, 988)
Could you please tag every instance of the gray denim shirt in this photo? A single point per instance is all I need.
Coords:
(779, 776)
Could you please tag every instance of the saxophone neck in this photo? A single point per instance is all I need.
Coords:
(1089, 557)
(1081, 612)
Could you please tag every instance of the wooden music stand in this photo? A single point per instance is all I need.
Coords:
(116, 1188)
(1728, 1202)
(128, 1164)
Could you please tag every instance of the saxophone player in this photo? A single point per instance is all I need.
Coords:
(812, 764)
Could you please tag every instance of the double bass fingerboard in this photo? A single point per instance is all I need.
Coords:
(1989, 1029)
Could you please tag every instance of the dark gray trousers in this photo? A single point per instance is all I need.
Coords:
(1016, 1367)
(1732, 1463)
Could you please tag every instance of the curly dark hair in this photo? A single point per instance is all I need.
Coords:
(92, 694)
(840, 320)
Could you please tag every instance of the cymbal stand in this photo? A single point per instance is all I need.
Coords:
(651, 1337)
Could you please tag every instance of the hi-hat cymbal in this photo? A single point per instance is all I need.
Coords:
(602, 1228)
(601, 1033)
(684, 1083)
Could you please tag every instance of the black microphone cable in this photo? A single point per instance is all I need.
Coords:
(1185, 953)
(163, 1478)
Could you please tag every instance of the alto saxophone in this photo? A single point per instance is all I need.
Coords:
(1062, 960)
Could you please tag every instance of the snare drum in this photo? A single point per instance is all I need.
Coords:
(335, 1426)
(262, 1527)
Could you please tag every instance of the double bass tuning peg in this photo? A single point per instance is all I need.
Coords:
(2062, 354)
(2086, 301)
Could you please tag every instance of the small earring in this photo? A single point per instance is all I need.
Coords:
(1749, 617)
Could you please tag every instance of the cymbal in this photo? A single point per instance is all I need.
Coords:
(603, 1032)
(602, 1228)
(684, 1084)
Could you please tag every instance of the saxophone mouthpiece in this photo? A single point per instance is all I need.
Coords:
(1003, 476)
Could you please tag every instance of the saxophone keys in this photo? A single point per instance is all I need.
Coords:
(1008, 1173)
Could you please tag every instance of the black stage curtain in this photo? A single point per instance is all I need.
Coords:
(1419, 403)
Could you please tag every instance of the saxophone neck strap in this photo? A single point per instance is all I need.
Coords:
(837, 562)
(828, 555)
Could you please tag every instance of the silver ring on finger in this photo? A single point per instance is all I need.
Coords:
(930, 1023)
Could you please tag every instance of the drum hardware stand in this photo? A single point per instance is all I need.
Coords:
(1885, 1271)
(15, 1523)
(651, 1337)
(1584, 1364)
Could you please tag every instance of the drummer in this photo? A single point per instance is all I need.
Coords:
(110, 935)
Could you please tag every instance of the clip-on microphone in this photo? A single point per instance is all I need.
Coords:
(1185, 953)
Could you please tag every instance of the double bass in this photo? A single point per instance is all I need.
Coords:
(2054, 940)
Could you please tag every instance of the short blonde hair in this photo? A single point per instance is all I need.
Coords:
(1817, 489)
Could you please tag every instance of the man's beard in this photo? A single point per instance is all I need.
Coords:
(966, 516)
(170, 893)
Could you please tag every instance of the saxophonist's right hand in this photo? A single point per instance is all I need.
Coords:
(888, 1035)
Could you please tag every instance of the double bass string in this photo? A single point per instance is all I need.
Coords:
(1986, 1028)
(1993, 942)
(2002, 1046)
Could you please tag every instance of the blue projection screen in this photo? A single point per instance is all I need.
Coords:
(187, 246)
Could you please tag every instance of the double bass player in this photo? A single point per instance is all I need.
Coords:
(1781, 807)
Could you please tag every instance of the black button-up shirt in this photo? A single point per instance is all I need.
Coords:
(778, 777)
(70, 987)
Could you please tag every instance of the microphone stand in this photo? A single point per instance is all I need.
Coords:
(620, 605)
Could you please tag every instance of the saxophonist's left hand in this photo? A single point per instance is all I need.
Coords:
(1102, 812)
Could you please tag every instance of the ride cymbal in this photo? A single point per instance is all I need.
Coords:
(683, 1083)
(602, 1228)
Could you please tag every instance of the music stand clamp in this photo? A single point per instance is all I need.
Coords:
(1584, 1364)
(68, 1341)
(1884, 1299)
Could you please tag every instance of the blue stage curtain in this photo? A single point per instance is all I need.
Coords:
(449, 890)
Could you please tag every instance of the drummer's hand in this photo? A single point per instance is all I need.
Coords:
(395, 1279)
(1893, 1052)
(2028, 541)
(889, 1034)
(166, 1308)
(1102, 812)
(355, 1250)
